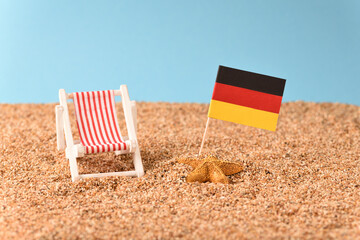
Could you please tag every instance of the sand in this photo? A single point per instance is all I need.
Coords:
(301, 182)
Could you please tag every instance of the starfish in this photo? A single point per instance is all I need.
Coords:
(210, 168)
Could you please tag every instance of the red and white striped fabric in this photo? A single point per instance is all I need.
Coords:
(97, 121)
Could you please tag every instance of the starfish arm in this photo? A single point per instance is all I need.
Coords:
(229, 168)
(216, 175)
(199, 174)
(193, 162)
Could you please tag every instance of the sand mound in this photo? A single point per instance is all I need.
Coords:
(303, 181)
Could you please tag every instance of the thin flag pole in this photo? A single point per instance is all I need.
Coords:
(203, 140)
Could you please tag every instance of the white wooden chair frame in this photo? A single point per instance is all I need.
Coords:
(74, 149)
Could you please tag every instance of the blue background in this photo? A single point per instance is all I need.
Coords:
(170, 50)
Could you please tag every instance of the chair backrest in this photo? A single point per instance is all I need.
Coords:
(97, 121)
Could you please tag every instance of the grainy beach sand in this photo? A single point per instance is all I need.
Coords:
(303, 181)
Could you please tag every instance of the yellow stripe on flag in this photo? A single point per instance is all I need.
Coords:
(243, 115)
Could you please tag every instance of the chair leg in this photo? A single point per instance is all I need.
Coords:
(138, 163)
(74, 169)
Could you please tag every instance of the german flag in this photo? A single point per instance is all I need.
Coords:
(247, 98)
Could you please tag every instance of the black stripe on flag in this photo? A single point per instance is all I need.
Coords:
(250, 80)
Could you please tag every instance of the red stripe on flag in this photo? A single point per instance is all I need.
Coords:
(247, 98)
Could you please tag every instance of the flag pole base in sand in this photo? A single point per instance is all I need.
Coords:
(203, 139)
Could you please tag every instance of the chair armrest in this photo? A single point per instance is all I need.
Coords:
(59, 110)
(128, 112)
(134, 113)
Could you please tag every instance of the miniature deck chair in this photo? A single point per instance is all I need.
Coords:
(98, 129)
